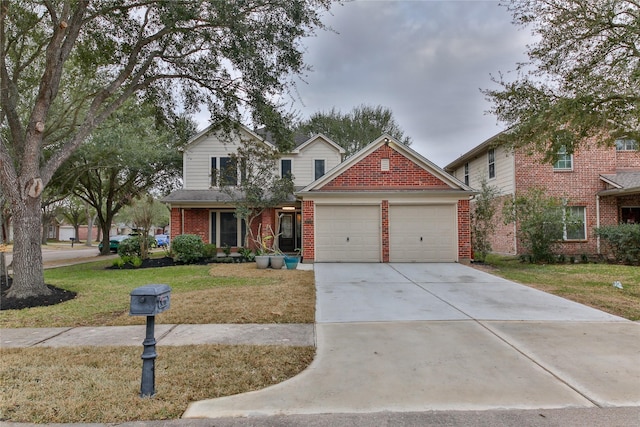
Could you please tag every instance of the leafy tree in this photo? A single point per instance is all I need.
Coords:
(67, 65)
(582, 78)
(143, 213)
(540, 222)
(126, 157)
(482, 223)
(354, 130)
(52, 206)
(74, 212)
(259, 186)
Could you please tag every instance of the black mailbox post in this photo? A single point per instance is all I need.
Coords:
(149, 300)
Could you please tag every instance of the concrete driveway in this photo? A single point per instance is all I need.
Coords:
(421, 337)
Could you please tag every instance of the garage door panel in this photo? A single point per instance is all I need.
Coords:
(423, 233)
(347, 233)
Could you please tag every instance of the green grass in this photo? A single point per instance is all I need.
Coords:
(249, 295)
(589, 284)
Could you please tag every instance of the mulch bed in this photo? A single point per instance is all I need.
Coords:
(60, 295)
(147, 263)
(57, 296)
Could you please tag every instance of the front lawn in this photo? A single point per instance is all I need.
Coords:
(589, 284)
(216, 293)
(89, 384)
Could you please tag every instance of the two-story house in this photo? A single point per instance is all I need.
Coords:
(600, 186)
(385, 203)
(202, 208)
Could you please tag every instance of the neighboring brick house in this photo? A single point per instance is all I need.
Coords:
(601, 186)
(384, 203)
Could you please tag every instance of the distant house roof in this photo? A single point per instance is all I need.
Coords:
(622, 182)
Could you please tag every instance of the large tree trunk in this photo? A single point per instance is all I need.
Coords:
(28, 272)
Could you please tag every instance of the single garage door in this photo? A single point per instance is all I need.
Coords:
(347, 233)
(424, 233)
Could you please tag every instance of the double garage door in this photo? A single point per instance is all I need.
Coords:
(417, 233)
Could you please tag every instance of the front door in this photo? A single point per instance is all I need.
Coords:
(288, 235)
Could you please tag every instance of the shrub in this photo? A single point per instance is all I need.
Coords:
(541, 221)
(131, 247)
(210, 251)
(622, 242)
(482, 224)
(187, 248)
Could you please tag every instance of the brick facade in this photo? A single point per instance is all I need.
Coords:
(578, 186)
(368, 174)
(385, 230)
(464, 230)
(308, 231)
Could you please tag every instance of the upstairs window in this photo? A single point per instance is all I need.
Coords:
(318, 168)
(565, 160)
(491, 157)
(626, 145)
(223, 171)
(214, 171)
(466, 173)
(228, 171)
(285, 168)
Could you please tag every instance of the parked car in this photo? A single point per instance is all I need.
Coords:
(162, 240)
(114, 242)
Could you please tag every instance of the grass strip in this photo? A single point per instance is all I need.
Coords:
(91, 385)
(588, 284)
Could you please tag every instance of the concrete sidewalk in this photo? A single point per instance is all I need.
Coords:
(438, 337)
(165, 334)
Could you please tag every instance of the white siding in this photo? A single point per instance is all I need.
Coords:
(303, 163)
(479, 169)
(197, 161)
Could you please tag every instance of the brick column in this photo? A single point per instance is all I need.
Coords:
(308, 231)
(385, 231)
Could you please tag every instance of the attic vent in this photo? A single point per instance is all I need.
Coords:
(384, 165)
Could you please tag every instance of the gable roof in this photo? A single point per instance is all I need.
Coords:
(623, 182)
(313, 139)
(203, 134)
(402, 149)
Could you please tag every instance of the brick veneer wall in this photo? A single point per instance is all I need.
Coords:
(503, 238)
(308, 231)
(579, 186)
(464, 231)
(367, 174)
(385, 231)
(175, 225)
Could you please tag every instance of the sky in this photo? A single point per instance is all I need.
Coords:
(424, 60)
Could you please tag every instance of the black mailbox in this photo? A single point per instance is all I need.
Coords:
(150, 300)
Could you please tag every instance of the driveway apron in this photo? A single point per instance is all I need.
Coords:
(420, 337)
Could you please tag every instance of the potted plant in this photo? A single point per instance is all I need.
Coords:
(291, 261)
(262, 260)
